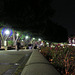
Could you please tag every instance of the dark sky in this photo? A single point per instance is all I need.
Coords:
(65, 14)
(30, 13)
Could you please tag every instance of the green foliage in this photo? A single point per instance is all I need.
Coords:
(61, 57)
(10, 43)
(22, 37)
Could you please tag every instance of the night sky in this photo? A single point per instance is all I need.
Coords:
(65, 14)
(46, 18)
(28, 14)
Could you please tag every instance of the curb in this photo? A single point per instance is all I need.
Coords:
(38, 65)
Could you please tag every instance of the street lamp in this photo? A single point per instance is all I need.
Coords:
(27, 37)
(47, 43)
(39, 39)
(7, 32)
(17, 35)
(33, 38)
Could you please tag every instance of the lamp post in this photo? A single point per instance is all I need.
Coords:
(17, 35)
(7, 32)
(33, 42)
(47, 44)
(26, 39)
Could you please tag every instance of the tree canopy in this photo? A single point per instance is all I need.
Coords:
(34, 16)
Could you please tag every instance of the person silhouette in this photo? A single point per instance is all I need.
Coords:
(18, 45)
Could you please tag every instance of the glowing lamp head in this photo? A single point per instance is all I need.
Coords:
(7, 32)
(47, 43)
(33, 38)
(26, 37)
(17, 34)
(39, 39)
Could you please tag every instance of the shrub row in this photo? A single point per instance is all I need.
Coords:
(61, 57)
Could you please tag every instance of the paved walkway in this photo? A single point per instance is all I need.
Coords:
(11, 59)
(38, 65)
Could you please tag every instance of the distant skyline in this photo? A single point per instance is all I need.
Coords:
(65, 14)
